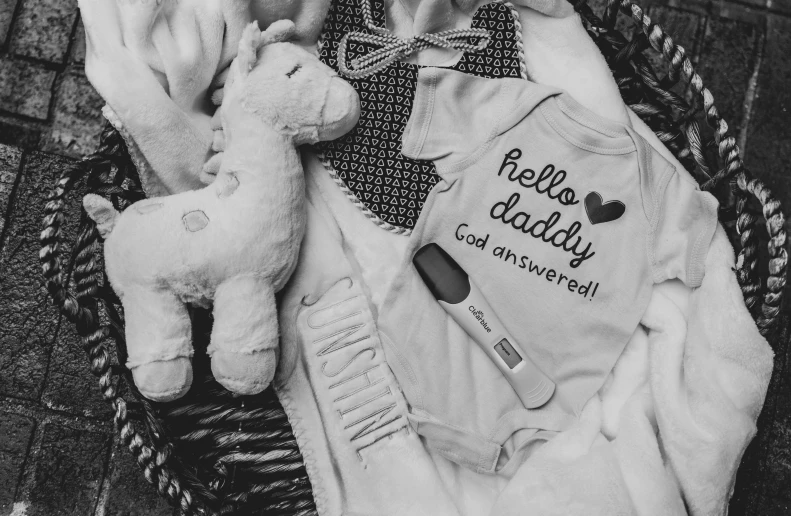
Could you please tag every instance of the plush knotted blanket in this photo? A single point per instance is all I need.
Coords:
(666, 433)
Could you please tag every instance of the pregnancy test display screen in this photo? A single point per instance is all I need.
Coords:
(507, 353)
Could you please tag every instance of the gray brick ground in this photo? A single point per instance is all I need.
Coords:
(22, 134)
(685, 26)
(68, 472)
(783, 6)
(78, 47)
(129, 494)
(6, 14)
(43, 29)
(769, 149)
(761, 486)
(15, 436)
(29, 322)
(70, 387)
(26, 88)
(10, 160)
(77, 118)
(779, 474)
(735, 43)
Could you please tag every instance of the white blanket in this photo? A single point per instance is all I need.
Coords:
(666, 434)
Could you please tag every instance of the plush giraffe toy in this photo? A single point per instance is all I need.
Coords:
(234, 242)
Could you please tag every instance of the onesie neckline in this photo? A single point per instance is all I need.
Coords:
(584, 128)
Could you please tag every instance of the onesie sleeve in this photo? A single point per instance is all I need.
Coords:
(685, 221)
(454, 114)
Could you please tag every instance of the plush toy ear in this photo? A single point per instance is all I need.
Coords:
(245, 60)
(249, 44)
(281, 30)
(102, 212)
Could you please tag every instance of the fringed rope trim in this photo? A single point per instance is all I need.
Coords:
(397, 230)
(520, 45)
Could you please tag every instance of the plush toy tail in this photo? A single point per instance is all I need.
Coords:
(102, 212)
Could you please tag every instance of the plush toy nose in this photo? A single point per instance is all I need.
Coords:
(341, 110)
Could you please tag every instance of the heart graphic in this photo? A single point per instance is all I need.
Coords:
(599, 212)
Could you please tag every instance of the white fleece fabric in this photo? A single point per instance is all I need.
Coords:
(156, 62)
(665, 434)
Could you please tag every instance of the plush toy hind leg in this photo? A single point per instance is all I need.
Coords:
(159, 343)
(244, 339)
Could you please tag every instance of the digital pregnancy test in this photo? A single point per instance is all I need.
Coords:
(464, 302)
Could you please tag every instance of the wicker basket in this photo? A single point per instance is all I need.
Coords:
(212, 453)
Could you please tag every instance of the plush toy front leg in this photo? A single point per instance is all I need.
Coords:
(244, 339)
(159, 343)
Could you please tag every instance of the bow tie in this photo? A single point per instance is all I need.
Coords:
(392, 49)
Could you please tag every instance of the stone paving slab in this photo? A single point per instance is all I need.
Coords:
(10, 161)
(29, 322)
(6, 15)
(128, 493)
(761, 483)
(783, 6)
(738, 44)
(43, 29)
(75, 124)
(769, 149)
(27, 88)
(686, 28)
(78, 47)
(16, 433)
(69, 387)
(19, 133)
(68, 472)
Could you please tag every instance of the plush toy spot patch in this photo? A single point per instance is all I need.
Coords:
(147, 207)
(229, 186)
(195, 220)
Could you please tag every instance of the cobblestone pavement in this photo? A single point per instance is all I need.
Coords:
(58, 452)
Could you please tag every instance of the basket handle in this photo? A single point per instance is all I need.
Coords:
(49, 254)
(778, 254)
(734, 171)
(81, 309)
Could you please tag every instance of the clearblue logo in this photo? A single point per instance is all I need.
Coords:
(478, 314)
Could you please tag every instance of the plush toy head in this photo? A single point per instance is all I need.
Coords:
(235, 242)
(291, 89)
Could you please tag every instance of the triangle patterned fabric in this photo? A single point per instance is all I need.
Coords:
(368, 159)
